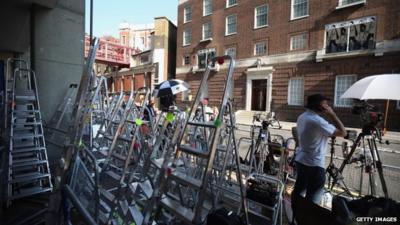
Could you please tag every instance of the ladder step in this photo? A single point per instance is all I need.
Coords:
(123, 207)
(146, 188)
(23, 144)
(107, 196)
(29, 177)
(28, 163)
(124, 139)
(194, 151)
(113, 175)
(27, 123)
(136, 215)
(185, 179)
(25, 150)
(202, 124)
(26, 136)
(30, 191)
(25, 111)
(183, 213)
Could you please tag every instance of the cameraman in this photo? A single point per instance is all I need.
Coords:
(313, 133)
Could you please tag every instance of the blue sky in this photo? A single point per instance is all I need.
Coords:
(108, 14)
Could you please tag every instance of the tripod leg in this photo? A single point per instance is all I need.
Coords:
(378, 164)
(347, 159)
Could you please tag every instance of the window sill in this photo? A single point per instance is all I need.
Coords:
(207, 14)
(256, 28)
(187, 21)
(321, 55)
(227, 35)
(299, 18)
(206, 40)
(185, 45)
(351, 4)
(230, 6)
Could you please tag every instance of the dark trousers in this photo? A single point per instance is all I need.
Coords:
(311, 180)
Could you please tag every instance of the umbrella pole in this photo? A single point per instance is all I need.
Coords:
(386, 113)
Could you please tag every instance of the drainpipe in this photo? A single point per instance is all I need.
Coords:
(91, 23)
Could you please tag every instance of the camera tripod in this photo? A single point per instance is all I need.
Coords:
(369, 134)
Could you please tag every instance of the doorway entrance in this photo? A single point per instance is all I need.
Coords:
(259, 95)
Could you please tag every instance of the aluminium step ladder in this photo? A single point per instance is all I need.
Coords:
(28, 168)
(54, 134)
(187, 196)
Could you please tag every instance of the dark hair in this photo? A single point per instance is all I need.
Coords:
(314, 101)
(166, 102)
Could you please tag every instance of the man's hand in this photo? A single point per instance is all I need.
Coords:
(340, 129)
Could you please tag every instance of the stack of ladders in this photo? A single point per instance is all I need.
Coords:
(28, 168)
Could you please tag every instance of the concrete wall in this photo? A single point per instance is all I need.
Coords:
(58, 54)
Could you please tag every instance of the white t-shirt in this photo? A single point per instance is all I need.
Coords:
(313, 132)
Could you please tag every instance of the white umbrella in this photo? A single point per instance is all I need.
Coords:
(384, 86)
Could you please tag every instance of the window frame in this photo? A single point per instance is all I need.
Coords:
(336, 97)
(298, 35)
(204, 7)
(289, 99)
(398, 104)
(347, 24)
(227, 5)
(226, 25)
(203, 38)
(205, 51)
(184, 37)
(265, 47)
(227, 50)
(255, 16)
(299, 17)
(341, 5)
(185, 20)
(184, 60)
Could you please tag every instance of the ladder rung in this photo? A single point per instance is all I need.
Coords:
(194, 151)
(136, 215)
(26, 136)
(27, 123)
(113, 175)
(202, 124)
(123, 207)
(30, 191)
(28, 163)
(124, 138)
(118, 156)
(26, 111)
(185, 179)
(108, 197)
(29, 177)
(23, 144)
(183, 213)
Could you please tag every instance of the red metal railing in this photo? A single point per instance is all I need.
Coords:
(111, 53)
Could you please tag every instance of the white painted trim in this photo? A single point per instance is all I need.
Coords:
(335, 98)
(267, 60)
(229, 6)
(341, 6)
(261, 73)
(289, 90)
(204, 7)
(182, 2)
(226, 25)
(299, 17)
(184, 13)
(255, 16)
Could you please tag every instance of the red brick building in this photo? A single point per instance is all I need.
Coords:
(288, 49)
